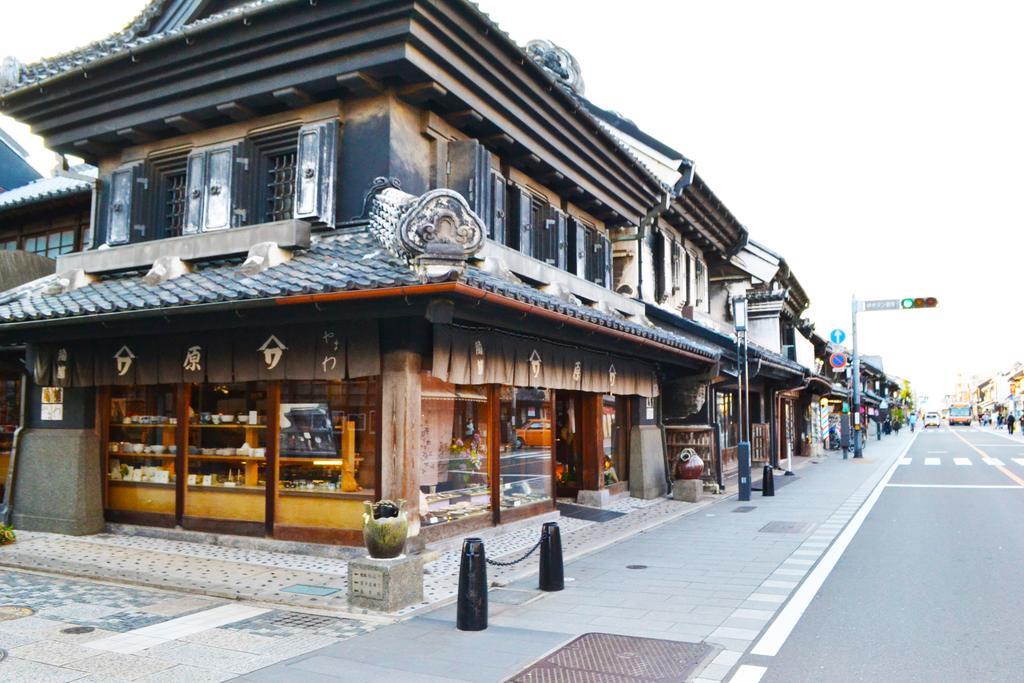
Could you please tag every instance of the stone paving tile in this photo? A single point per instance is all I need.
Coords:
(14, 670)
(53, 652)
(232, 639)
(205, 657)
(116, 667)
(180, 606)
(187, 674)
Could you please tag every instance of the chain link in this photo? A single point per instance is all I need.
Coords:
(509, 564)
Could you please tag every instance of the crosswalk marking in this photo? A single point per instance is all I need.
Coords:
(1019, 461)
(906, 461)
(962, 461)
(933, 461)
(995, 462)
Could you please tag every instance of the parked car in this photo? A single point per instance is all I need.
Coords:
(932, 419)
(534, 434)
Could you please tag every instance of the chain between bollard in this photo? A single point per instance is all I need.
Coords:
(529, 552)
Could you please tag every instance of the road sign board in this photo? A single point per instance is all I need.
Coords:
(837, 336)
(837, 361)
(881, 305)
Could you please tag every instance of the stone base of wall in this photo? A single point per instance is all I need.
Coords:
(58, 483)
(646, 462)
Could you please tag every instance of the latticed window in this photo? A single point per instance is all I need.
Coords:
(174, 203)
(280, 188)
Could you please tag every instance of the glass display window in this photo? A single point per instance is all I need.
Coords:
(615, 439)
(454, 476)
(10, 419)
(227, 451)
(141, 449)
(525, 453)
(327, 452)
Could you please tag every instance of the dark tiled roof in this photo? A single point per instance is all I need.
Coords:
(337, 263)
(43, 190)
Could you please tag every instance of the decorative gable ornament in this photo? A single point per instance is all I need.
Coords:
(439, 232)
(558, 63)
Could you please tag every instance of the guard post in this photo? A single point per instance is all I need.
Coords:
(471, 611)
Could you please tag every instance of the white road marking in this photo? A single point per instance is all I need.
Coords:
(1019, 461)
(954, 486)
(938, 452)
(173, 629)
(993, 461)
(933, 461)
(748, 673)
(962, 461)
(767, 597)
(776, 634)
(778, 584)
(906, 461)
(798, 561)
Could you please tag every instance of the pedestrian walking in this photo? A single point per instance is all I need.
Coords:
(1010, 420)
(913, 421)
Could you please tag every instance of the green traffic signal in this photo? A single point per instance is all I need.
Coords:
(919, 302)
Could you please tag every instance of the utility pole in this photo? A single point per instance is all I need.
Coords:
(858, 444)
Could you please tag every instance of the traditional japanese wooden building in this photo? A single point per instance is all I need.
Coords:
(340, 252)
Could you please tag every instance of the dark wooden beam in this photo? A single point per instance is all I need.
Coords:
(464, 119)
(236, 111)
(90, 149)
(359, 84)
(421, 93)
(499, 141)
(185, 124)
(293, 97)
(136, 135)
(526, 160)
(552, 179)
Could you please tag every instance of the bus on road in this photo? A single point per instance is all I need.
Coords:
(960, 414)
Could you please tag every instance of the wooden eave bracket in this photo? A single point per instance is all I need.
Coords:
(421, 93)
(359, 83)
(236, 111)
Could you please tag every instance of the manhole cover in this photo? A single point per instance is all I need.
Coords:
(636, 566)
(303, 589)
(609, 658)
(77, 630)
(785, 527)
(8, 612)
(745, 508)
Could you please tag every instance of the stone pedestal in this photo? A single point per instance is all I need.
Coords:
(58, 484)
(646, 462)
(687, 490)
(594, 499)
(385, 585)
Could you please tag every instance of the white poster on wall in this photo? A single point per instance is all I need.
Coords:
(52, 405)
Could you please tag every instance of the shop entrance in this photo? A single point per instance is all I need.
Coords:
(568, 442)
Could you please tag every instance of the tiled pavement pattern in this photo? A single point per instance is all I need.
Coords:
(713, 576)
(38, 650)
(260, 575)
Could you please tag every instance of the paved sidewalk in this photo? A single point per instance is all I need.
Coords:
(297, 580)
(718, 576)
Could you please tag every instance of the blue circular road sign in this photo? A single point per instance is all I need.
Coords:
(837, 336)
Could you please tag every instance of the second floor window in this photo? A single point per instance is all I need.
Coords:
(280, 190)
(174, 203)
(52, 244)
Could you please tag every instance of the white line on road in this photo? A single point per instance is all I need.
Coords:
(939, 452)
(1019, 461)
(962, 461)
(993, 462)
(954, 486)
(906, 461)
(748, 673)
(933, 461)
(773, 639)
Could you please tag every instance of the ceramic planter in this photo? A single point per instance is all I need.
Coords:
(689, 465)
(385, 528)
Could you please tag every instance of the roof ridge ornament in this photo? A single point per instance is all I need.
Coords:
(558, 63)
(166, 268)
(440, 232)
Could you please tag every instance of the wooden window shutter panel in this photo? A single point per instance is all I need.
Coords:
(469, 167)
(604, 263)
(195, 183)
(666, 264)
(580, 232)
(241, 183)
(676, 255)
(562, 240)
(317, 172)
(496, 227)
(125, 209)
(525, 221)
(657, 257)
(220, 169)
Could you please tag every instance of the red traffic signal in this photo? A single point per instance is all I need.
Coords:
(919, 302)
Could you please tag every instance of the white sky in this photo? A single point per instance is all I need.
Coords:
(876, 145)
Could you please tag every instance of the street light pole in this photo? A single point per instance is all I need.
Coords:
(858, 445)
(739, 316)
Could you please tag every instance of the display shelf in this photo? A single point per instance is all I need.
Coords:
(140, 484)
(196, 425)
(166, 456)
(314, 493)
(232, 489)
(228, 458)
(139, 426)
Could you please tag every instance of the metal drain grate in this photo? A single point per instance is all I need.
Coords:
(303, 589)
(636, 566)
(785, 527)
(300, 620)
(8, 612)
(744, 508)
(608, 658)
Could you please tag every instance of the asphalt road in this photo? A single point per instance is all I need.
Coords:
(932, 586)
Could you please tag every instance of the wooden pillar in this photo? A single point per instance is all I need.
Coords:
(400, 429)
(592, 477)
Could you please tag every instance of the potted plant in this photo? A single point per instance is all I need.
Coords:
(6, 534)
(385, 528)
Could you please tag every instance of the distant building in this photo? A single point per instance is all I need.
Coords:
(15, 170)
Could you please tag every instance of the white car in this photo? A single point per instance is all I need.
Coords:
(932, 420)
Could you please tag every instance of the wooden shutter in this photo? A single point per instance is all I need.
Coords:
(125, 205)
(496, 224)
(676, 256)
(561, 240)
(241, 182)
(546, 243)
(220, 164)
(195, 184)
(657, 259)
(579, 232)
(665, 264)
(468, 173)
(316, 172)
(525, 220)
(606, 260)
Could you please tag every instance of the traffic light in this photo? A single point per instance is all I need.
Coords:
(919, 302)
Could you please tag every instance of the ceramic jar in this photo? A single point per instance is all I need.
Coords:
(385, 528)
(689, 465)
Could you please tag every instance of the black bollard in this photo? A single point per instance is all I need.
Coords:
(768, 481)
(552, 573)
(471, 614)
